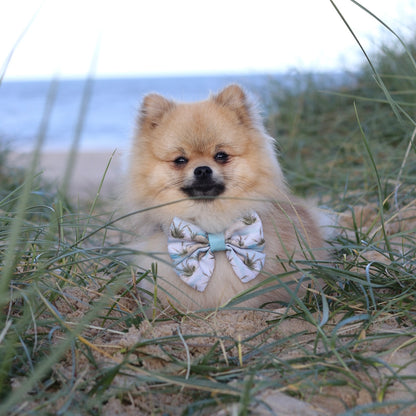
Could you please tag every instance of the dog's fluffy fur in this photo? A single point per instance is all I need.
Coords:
(225, 134)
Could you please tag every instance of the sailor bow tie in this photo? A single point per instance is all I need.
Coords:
(192, 250)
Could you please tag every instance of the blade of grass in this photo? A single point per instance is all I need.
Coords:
(409, 54)
(378, 181)
(373, 69)
(9, 57)
(82, 116)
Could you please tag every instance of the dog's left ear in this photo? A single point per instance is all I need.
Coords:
(234, 98)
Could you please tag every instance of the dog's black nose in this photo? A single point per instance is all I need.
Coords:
(202, 172)
(204, 184)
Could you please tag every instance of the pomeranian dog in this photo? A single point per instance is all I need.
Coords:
(216, 214)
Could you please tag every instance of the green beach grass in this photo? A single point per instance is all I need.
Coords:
(78, 338)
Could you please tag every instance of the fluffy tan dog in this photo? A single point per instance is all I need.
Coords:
(209, 168)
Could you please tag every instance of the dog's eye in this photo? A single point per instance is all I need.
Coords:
(221, 157)
(180, 161)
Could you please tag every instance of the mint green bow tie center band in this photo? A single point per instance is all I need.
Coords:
(192, 250)
(217, 242)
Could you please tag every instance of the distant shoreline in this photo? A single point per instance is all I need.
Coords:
(108, 119)
(180, 76)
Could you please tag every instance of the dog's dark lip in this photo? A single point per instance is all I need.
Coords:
(207, 190)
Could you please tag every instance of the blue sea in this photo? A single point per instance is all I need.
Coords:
(110, 112)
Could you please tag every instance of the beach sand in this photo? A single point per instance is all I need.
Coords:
(87, 173)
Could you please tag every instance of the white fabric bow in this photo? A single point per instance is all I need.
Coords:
(192, 250)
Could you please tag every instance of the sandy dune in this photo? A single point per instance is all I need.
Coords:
(87, 172)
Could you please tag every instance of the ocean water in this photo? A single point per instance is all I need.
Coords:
(111, 111)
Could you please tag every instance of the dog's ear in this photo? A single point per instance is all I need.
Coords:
(234, 98)
(153, 108)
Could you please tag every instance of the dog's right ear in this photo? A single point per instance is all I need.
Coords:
(235, 99)
(153, 108)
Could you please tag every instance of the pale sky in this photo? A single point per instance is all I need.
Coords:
(181, 37)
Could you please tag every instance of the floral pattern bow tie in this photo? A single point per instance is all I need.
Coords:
(192, 250)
